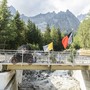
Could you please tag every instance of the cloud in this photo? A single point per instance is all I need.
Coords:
(86, 9)
(31, 7)
(75, 6)
(34, 7)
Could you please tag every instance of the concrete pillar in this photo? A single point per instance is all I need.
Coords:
(83, 76)
(86, 77)
(0, 67)
(77, 74)
(19, 76)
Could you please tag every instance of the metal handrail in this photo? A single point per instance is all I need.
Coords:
(24, 56)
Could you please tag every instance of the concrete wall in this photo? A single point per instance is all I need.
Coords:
(8, 81)
(86, 78)
(83, 76)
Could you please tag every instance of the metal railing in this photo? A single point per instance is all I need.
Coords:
(26, 56)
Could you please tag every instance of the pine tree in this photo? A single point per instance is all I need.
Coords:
(20, 28)
(60, 47)
(33, 34)
(47, 36)
(55, 38)
(5, 18)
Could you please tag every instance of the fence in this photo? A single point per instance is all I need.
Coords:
(26, 56)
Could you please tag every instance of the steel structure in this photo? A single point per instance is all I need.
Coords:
(45, 60)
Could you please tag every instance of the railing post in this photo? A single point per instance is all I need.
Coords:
(22, 56)
(48, 59)
(5, 57)
(66, 60)
(58, 61)
(73, 62)
(34, 56)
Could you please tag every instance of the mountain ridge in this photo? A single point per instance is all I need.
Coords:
(81, 17)
(66, 21)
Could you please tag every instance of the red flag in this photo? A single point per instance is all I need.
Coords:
(67, 40)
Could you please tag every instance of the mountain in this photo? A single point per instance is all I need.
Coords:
(12, 10)
(81, 17)
(25, 18)
(66, 21)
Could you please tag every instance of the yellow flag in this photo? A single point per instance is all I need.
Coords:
(50, 46)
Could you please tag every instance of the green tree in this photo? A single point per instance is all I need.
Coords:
(4, 15)
(20, 28)
(39, 38)
(13, 35)
(55, 38)
(82, 37)
(6, 33)
(33, 34)
(60, 47)
(47, 36)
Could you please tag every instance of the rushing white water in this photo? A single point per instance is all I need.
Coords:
(46, 80)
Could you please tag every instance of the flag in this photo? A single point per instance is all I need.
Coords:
(70, 38)
(45, 48)
(67, 40)
(48, 47)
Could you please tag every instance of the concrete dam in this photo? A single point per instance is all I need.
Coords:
(11, 74)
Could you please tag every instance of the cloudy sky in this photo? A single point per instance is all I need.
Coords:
(34, 7)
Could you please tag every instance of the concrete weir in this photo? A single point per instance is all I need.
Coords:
(8, 80)
(83, 76)
(11, 74)
(86, 77)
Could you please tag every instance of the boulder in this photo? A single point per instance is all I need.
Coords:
(23, 54)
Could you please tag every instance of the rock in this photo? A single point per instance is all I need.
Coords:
(39, 80)
(23, 55)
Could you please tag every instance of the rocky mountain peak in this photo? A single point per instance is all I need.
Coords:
(66, 21)
(12, 10)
